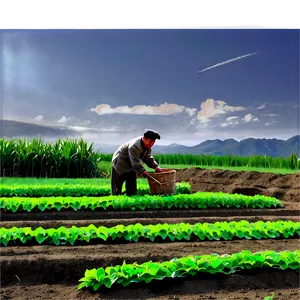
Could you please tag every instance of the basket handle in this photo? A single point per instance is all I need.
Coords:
(154, 179)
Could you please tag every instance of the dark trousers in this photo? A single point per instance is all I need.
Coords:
(117, 182)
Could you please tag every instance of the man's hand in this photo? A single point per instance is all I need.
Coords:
(145, 173)
(158, 169)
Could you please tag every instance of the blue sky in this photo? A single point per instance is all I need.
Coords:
(110, 84)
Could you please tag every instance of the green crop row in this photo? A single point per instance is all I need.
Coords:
(255, 161)
(166, 232)
(199, 200)
(76, 190)
(191, 265)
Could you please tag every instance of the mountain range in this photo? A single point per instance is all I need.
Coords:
(247, 147)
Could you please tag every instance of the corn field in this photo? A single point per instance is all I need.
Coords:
(76, 159)
(256, 161)
(62, 159)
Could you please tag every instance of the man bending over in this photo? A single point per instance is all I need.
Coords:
(127, 162)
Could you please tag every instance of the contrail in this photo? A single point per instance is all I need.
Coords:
(227, 62)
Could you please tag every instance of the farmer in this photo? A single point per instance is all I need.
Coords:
(127, 162)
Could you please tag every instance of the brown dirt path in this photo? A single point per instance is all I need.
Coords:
(282, 187)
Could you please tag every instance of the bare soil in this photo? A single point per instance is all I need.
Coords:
(50, 272)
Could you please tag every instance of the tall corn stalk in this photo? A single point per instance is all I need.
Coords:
(65, 158)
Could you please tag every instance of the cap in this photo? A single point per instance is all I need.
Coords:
(151, 134)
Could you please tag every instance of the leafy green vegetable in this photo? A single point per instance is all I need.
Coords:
(126, 274)
(199, 200)
(136, 232)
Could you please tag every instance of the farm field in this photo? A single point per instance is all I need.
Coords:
(59, 223)
(52, 272)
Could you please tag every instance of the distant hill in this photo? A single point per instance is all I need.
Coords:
(247, 147)
(12, 129)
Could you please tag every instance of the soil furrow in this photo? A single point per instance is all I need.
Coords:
(184, 213)
(69, 262)
(113, 222)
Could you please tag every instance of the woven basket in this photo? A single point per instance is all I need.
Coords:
(162, 183)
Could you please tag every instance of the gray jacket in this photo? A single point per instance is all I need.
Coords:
(129, 157)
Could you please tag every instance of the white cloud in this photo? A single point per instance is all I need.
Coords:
(263, 106)
(63, 119)
(248, 117)
(38, 118)
(273, 115)
(211, 108)
(224, 124)
(72, 121)
(198, 120)
(163, 109)
(212, 115)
